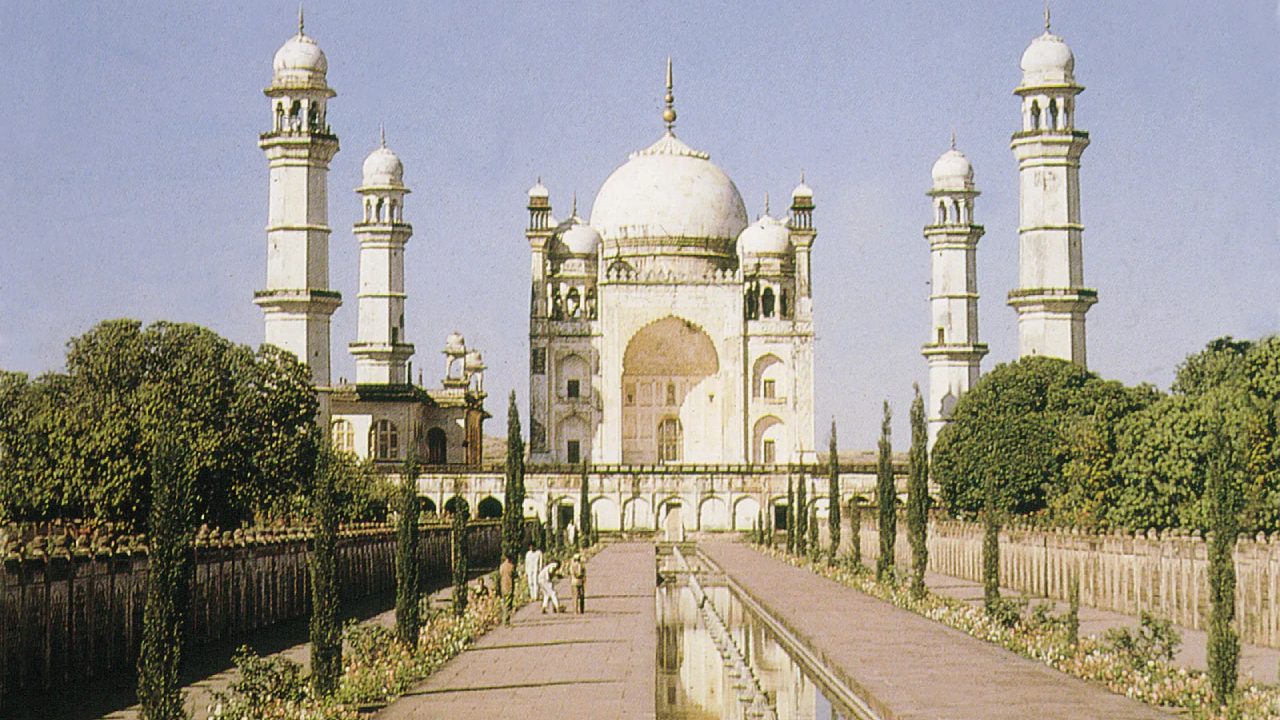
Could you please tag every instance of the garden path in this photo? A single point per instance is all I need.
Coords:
(905, 665)
(597, 665)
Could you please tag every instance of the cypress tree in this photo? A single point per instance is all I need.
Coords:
(584, 509)
(326, 626)
(1073, 611)
(791, 518)
(159, 690)
(918, 496)
(513, 486)
(833, 496)
(1224, 643)
(855, 529)
(768, 527)
(408, 618)
(886, 495)
(458, 540)
(991, 515)
(814, 549)
(802, 517)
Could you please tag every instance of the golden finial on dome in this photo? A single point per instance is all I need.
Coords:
(382, 130)
(766, 202)
(669, 115)
(953, 139)
(300, 23)
(1046, 16)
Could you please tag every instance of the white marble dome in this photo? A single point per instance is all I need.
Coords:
(765, 236)
(300, 61)
(669, 190)
(1048, 61)
(455, 344)
(383, 169)
(474, 361)
(953, 171)
(580, 238)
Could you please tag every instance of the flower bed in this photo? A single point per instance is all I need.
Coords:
(1110, 660)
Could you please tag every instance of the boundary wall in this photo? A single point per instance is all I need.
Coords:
(1163, 573)
(71, 606)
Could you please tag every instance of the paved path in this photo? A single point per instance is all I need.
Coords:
(1256, 662)
(907, 666)
(546, 667)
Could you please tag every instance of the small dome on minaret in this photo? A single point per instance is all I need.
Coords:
(539, 191)
(802, 190)
(952, 172)
(383, 168)
(1048, 60)
(299, 62)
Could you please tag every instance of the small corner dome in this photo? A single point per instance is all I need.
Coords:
(300, 58)
(383, 169)
(765, 236)
(1048, 61)
(953, 171)
(802, 191)
(580, 238)
(539, 191)
(474, 361)
(455, 344)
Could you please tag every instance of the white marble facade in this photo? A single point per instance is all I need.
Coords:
(667, 328)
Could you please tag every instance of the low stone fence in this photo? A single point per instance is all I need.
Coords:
(1166, 574)
(71, 605)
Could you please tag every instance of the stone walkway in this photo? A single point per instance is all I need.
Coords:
(597, 665)
(907, 666)
(1256, 662)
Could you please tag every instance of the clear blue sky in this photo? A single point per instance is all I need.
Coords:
(131, 184)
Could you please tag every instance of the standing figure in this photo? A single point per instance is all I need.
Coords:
(578, 578)
(532, 566)
(570, 534)
(546, 576)
(507, 588)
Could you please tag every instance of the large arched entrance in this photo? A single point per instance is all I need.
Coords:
(661, 419)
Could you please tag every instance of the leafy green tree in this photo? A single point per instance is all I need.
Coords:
(459, 547)
(408, 595)
(513, 486)
(1222, 491)
(918, 496)
(584, 508)
(886, 499)
(1014, 426)
(79, 443)
(168, 580)
(802, 517)
(326, 612)
(833, 496)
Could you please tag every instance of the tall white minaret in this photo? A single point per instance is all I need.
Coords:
(1051, 299)
(380, 348)
(297, 301)
(953, 350)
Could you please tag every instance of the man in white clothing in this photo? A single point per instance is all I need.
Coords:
(532, 566)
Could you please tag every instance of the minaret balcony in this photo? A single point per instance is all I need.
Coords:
(961, 352)
(1053, 299)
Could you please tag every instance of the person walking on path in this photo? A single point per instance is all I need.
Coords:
(578, 578)
(532, 566)
(546, 576)
(507, 588)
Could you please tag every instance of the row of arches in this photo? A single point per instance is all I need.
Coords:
(384, 441)
(1045, 113)
(383, 210)
(299, 115)
(573, 304)
(954, 212)
(766, 302)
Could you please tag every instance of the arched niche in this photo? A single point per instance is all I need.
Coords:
(769, 444)
(663, 362)
(489, 508)
(768, 377)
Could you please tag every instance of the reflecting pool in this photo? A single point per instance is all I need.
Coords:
(717, 660)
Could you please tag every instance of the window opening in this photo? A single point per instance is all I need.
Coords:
(574, 452)
(770, 452)
(571, 391)
(670, 440)
(770, 389)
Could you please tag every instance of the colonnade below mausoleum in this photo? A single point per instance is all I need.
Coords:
(646, 498)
